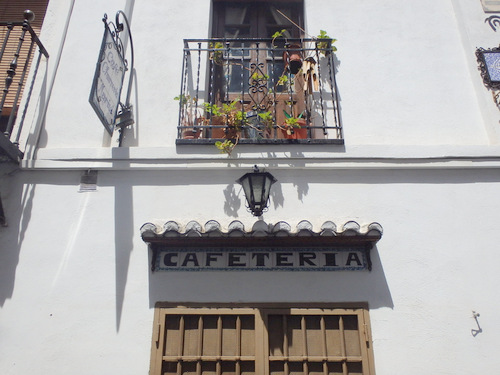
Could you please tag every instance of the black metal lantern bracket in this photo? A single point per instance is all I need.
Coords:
(257, 186)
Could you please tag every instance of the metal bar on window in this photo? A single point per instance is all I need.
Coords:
(197, 89)
(321, 99)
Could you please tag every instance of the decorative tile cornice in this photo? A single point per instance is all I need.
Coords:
(195, 234)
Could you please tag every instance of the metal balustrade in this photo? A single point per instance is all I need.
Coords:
(273, 91)
(18, 47)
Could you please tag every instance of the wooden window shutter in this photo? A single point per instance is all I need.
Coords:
(264, 340)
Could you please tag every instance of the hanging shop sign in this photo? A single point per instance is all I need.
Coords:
(266, 247)
(259, 259)
(108, 79)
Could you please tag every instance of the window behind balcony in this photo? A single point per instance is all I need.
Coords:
(252, 23)
(262, 64)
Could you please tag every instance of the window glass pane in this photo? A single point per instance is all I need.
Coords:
(237, 15)
(235, 76)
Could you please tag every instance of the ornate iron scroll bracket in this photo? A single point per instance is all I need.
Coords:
(125, 116)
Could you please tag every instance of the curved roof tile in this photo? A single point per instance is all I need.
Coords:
(350, 232)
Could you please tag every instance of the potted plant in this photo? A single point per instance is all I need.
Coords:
(228, 122)
(294, 127)
(189, 114)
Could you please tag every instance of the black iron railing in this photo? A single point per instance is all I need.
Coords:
(16, 53)
(258, 91)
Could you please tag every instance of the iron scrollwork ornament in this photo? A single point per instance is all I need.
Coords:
(493, 21)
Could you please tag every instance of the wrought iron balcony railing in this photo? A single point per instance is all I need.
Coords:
(18, 44)
(258, 91)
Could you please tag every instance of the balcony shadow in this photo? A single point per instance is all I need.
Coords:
(273, 286)
(17, 199)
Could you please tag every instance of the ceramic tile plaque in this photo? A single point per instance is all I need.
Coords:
(491, 6)
(492, 60)
(258, 259)
(489, 66)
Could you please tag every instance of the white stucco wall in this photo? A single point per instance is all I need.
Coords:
(420, 157)
(78, 295)
(406, 74)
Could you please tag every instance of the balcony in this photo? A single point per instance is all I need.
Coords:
(18, 47)
(258, 91)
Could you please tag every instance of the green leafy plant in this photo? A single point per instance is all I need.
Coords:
(226, 146)
(233, 118)
(218, 52)
(259, 77)
(325, 42)
(266, 118)
(276, 35)
(213, 109)
(291, 122)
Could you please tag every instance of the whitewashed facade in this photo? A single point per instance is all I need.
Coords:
(421, 157)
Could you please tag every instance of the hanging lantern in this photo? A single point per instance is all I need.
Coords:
(256, 186)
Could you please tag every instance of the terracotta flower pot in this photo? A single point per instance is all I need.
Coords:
(295, 132)
(190, 133)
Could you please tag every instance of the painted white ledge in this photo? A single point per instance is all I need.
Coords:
(296, 156)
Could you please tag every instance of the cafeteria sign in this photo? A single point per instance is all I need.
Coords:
(108, 79)
(258, 259)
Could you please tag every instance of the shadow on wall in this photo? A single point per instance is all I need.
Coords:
(273, 286)
(17, 200)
